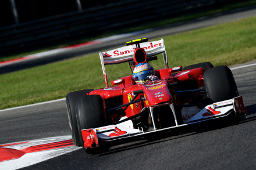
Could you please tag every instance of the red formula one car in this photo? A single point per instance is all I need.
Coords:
(150, 100)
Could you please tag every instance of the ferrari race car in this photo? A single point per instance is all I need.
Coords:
(150, 102)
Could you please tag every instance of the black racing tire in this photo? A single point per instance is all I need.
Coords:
(205, 66)
(71, 100)
(220, 84)
(89, 113)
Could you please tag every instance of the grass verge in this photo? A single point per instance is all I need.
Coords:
(228, 44)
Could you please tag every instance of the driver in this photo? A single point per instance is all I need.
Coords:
(142, 69)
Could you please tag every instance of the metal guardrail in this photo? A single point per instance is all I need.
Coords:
(92, 22)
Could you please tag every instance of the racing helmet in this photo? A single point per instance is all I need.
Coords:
(139, 56)
(142, 71)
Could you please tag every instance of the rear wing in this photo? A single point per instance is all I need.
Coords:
(125, 54)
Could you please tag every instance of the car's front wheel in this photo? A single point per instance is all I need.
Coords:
(89, 113)
(71, 100)
(220, 84)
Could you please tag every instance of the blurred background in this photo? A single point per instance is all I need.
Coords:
(27, 24)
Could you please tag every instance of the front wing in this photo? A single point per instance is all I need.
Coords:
(126, 130)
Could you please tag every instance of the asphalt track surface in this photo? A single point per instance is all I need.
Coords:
(208, 146)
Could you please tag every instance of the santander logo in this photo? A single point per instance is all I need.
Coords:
(117, 53)
(125, 51)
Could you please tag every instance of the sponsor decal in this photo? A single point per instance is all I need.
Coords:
(140, 68)
(147, 103)
(129, 50)
(146, 100)
(130, 99)
(211, 112)
(159, 94)
(117, 53)
(106, 55)
(224, 103)
(156, 87)
(105, 128)
(152, 46)
(117, 132)
(89, 138)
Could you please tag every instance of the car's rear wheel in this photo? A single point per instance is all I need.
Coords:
(71, 100)
(205, 65)
(220, 84)
(89, 113)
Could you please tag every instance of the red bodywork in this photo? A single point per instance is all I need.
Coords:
(155, 92)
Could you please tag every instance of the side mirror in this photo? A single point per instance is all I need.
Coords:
(117, 82)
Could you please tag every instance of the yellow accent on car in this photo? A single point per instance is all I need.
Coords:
(156, 87)
(130, 99)
(136, 41)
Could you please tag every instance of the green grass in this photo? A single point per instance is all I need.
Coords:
(164, 22)
(228, 44)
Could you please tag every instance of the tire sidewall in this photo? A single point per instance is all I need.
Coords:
(71, 100)
(89, 113)
(220, 84)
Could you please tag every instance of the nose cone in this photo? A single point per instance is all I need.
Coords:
(157, 93)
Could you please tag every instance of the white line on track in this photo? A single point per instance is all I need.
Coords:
(31, 105)
(58, 100)
(243, 66)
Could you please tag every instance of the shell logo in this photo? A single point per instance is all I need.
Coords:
(156, 87)
(130, 99)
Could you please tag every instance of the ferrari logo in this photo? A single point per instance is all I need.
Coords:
(130, 99)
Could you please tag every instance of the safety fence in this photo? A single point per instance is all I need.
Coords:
(94, 21)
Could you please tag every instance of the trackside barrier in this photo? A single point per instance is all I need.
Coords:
(93, 21)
